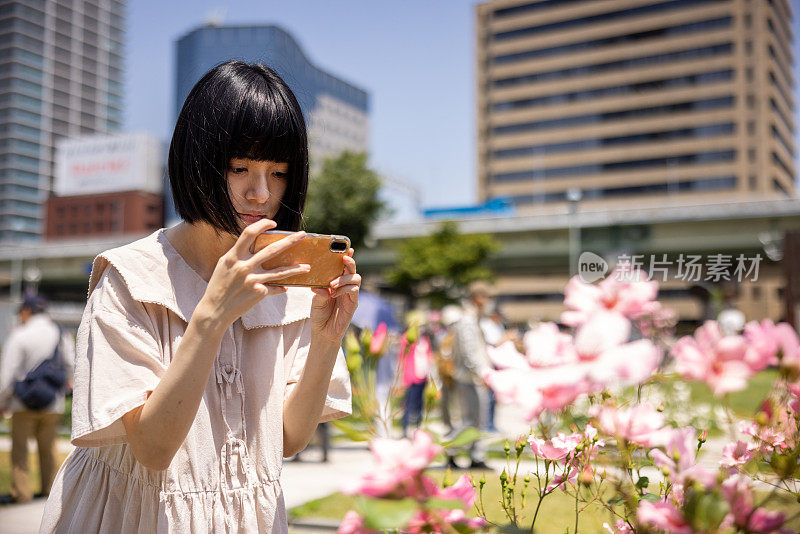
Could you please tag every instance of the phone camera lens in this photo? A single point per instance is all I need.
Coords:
(338, 246)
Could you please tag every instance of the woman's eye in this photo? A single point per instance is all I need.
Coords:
(283, 175)
(238, 170)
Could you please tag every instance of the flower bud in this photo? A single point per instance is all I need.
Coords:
(482, 481)
(503, 477)
(762, 418)
(660, 407)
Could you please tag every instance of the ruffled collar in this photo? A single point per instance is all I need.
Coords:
(155, 272)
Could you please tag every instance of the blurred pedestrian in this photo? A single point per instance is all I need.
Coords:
(495, 334)
(35, 372)
(415, 362)
(471, 364)
(445, 366)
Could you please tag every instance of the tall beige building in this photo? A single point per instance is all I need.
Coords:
(634, 101)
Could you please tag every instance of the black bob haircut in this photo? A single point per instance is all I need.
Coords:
(236, 110)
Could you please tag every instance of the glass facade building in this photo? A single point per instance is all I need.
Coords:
(336, 111)
(634, 100)
(61, 69)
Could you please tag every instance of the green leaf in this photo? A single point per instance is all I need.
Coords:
(642, 483)
(652, 497)
(444, 504)
(464, 438)
(353, 433)
(384, 514)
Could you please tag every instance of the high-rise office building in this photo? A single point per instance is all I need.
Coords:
(643, 101)
(60, 76)
(336, 111)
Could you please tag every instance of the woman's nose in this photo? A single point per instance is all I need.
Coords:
(258, 190)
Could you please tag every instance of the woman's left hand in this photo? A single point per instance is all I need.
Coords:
(333, 308)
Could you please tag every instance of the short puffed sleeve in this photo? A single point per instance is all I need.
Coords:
(338, 401)
(118, 362)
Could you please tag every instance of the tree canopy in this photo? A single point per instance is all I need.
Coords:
(440, 267)
(343, 198)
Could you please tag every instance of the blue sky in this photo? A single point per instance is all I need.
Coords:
(415, 57)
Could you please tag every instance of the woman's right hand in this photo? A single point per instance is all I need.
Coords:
(237, 283)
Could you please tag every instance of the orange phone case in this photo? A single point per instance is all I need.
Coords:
(322, 252)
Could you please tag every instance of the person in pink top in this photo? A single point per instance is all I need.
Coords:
(415, 360)
(193, 378)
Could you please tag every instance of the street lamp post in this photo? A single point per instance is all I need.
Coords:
(573, 197)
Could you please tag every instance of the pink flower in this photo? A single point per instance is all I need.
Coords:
(772, 343)
(515, 386)
(560, 386)
(763, 521)
(736, 454)
(570, 474)
(600, 332)
(353, 524)
(601, 343)
(640, 424)
(738, 493)
(769, 437)
(720, 361)
(461, 490)
(680, 459)
(545, 345)
(632, 363)
(557, 448)
(621, 293)
(506, 356)
(378, 339)
(657, 320)
(620, 528)
(794, 391)
(763, 338)
(396, 462)
(464, 491)
(664, 516)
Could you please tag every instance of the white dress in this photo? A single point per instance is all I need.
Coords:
(226, 475)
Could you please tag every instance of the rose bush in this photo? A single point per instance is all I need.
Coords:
(597, 437)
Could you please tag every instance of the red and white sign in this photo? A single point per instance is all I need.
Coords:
(109, 163)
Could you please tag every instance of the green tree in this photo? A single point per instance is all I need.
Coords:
(439, 267)
(343, 198)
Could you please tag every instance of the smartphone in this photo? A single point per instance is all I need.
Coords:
(322, 252)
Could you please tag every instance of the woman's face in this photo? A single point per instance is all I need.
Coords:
(256, 188)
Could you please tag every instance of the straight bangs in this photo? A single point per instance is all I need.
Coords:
(265, 129)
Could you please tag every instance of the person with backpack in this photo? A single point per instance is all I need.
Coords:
(35, 372)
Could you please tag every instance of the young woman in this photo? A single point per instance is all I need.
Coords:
(193, 378)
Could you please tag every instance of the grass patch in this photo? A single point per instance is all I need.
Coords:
(556, 515)
(744, 403)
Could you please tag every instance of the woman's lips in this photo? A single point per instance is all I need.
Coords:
(250, 218)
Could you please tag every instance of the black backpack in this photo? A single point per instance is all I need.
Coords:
(41, 385)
